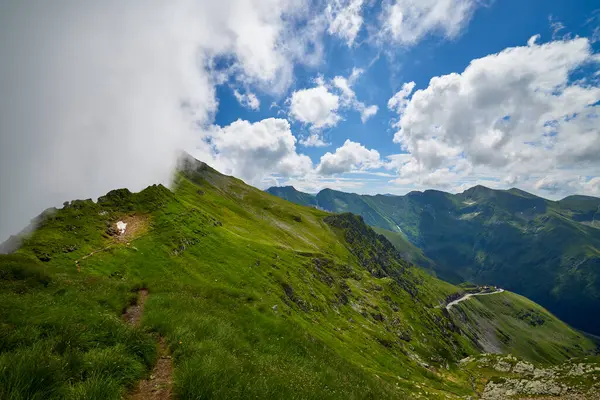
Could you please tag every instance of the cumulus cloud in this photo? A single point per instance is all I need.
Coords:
(320, 107)
(409, 21)
(248, 100)
(515, 113)
(101, 95)
(351, 156)
(345, 19)
(315, 106)
(252, 151)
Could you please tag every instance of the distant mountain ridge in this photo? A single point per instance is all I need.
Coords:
(546, 250)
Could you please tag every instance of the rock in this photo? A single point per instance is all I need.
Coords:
(524, 368)
(503, 366)
(274, 308)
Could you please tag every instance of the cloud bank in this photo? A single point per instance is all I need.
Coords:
(101, 95)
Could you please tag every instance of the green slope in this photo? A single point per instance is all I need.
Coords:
(255, 297)
(546, 250)
(494, 321)
(408, 251)
(290, 193)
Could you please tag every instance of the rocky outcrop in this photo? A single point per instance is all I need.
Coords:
(513, 378)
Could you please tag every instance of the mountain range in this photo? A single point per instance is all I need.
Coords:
(217, 290)
(546, 250)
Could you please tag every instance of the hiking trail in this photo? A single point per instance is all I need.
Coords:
(158, 386)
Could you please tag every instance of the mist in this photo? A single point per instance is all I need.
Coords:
(103, 95)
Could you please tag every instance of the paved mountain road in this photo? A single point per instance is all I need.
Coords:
(469, 295)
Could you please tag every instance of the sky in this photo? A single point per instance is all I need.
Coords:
(355, 95)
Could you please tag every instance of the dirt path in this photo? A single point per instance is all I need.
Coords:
(133, 314)
(89, 255)
(469, 295)
(158, 386)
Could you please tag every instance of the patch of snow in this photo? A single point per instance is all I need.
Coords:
(121, 226)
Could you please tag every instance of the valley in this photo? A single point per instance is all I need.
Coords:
(548, 251)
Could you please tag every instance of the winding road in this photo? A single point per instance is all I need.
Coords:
(469, 295)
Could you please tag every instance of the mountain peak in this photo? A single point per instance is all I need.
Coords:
(282, 188)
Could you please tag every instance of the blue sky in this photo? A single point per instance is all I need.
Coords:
(359, 95)
(493, 27)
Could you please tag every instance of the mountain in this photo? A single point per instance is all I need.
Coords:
(407, 250)
(290, 193)
(231, 293)
(546, 250)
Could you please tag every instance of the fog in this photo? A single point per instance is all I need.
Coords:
(101, 95)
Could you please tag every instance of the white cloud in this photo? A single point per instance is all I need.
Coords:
(442, 178)
(533, 40)
(558, 184)
(359, 181)
(314, 183)
(343, 85)
(316, 106)
(320, 107)
(252, 151)
(556, 27)
(409, 21)
(399, 101)
(351, 156)
(248, 99)
(552, 184)
(368, 112)
(348, 96)
(511, 114)
(345, 19)
(592, 186)
(101, 95)
(313, 140)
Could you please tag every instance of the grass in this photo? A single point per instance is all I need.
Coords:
(504, 316)
(255, 297)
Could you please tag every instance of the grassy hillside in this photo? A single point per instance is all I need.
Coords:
(290, 193)
(548, 251)
(408, 251)
(494, 321)
(252, 296)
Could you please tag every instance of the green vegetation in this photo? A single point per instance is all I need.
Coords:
(254, 296)
(408, 251)
(290, 193)
(496, 322)
(546, 250)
